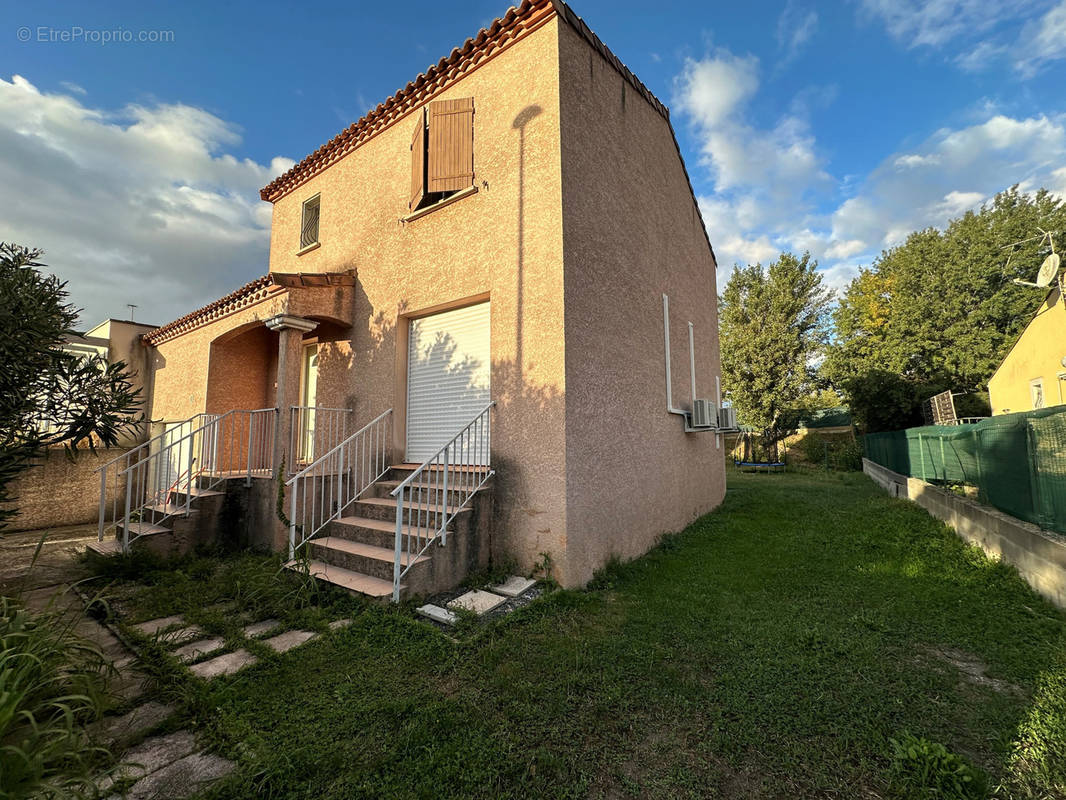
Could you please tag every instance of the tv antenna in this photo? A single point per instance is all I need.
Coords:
(1049, 269)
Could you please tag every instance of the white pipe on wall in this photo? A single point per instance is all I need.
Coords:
(692, 363)
(666, 337)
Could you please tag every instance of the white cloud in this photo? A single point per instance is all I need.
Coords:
(140, 206)
(764, 177)
(795, 27)
(936, 22)
(950, 173)
(1041, 41)
(845, 249)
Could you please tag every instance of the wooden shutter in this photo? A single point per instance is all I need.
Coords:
(451, 145)
(418, 161)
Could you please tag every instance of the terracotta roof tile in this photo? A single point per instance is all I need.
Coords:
(249, 293)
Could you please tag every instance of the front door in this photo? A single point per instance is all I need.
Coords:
(307, 413)
(448, 367)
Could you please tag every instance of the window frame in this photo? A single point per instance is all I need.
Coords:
(1035, 385)
(316, 201)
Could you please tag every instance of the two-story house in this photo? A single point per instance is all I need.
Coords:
(505, 259)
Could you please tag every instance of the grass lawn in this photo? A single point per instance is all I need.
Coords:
(773, 649)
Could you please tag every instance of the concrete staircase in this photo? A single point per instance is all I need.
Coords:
(357, 551)
(167, 529)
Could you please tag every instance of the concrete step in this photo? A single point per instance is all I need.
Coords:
(378, 532)
(168, 509)
(105, 549)
(366, 559)
(403, 470)
(196, 493)
(420, 491)
(384, 508)
(142, 529)
(349, 580)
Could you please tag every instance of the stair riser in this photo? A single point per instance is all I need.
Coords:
(386, 539)
(401, 473)
(423, 517)
(423, 496)
(373, 567)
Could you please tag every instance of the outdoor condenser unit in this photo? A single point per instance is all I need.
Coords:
(727, 418)
(703, 414)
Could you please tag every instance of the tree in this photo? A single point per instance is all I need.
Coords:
(939, 311)
(49, 397)
(773, 328)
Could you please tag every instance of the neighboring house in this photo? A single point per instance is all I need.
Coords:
(504, 229)
(59, 491)
(1032, 373)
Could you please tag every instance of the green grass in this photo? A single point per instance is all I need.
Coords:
(795, 643)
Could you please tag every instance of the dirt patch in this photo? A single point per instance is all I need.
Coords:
(972, 669)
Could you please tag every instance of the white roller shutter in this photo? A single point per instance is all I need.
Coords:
(448, 366)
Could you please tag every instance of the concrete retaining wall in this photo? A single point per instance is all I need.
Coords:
(1040, 556)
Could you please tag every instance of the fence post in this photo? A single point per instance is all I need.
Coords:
(921, 455)
(248, 475)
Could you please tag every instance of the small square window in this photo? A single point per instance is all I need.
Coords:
(309, 223)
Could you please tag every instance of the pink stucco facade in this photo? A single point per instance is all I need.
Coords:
(580, 219)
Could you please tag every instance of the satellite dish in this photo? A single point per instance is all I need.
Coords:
(1049, 270)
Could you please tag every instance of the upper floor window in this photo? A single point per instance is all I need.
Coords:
(1036, 392)
(309, 222)
(442, 151)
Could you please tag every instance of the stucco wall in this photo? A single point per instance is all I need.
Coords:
(503, 243)
(630, 234)
(1038, 353)
(58, 492)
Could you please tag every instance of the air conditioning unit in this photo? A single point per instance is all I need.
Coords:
(727, 418)
(703, 414)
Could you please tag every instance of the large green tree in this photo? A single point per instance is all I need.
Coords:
(939, 311)
(49, 397)
(773, 328)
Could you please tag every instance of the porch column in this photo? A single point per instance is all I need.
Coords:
(290, 331)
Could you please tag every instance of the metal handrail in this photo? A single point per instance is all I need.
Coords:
(468, 455)
(330, 428)
(127, 458)
(321, 492)
(238, 442)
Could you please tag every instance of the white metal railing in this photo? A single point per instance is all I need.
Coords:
(440, 488)
(321, 492)
(165, 480)
(113, 482)
(315, 430)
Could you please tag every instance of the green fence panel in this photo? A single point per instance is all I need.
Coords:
(1016, 461)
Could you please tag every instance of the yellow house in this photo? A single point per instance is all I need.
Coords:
(1033, 371)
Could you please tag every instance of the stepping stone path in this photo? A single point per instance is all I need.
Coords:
(513, 593)
(193, 651)
(259, 628)
(284, 642)
(225, 664)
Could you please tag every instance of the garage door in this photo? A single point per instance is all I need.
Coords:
(448, 368)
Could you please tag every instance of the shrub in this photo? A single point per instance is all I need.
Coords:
(925, 769)
(52, 683)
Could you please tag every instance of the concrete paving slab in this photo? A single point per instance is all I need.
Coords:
(339, 623)
(195, 650)
(135, 722)
(478, 601)
(259, 628)
(155, 753)
(225, 664)
(182, 635)
(514, 586)
(437, 614)
(154, 626)
(181, 778)
(286, 641)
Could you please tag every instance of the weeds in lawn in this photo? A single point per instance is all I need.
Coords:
(52, 683)
(923, 770)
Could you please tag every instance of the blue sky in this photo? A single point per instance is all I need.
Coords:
(834, 128)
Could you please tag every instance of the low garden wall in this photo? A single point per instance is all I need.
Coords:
(1039, 555)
